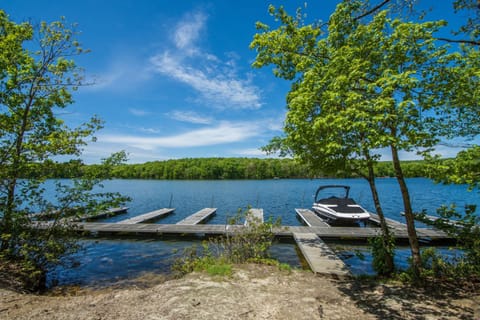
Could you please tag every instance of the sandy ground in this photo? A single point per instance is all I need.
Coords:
(253, 292)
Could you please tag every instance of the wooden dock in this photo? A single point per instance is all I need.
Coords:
(150, 216)
(91, 216)
(198, 217)
(254, 216)
(310, 218)
(393, 224)
(102, 215)
(428, 218)
(150, 229)
(320, 258)
(191, 225)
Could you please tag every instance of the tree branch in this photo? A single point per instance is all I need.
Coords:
(377, 7)
(472, 42)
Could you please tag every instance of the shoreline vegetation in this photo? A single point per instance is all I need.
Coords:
(216, 169)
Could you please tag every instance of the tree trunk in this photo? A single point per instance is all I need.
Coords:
(412, 232)
(13, 176)
(388, 258)
(7, 219)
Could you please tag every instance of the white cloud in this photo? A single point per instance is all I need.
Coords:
(443, 151)
(446, 151)
(217, 87)
(215, 80)
(138, 112)
(125, 72)
(251, 152)
(188, 31)
(190, 116)
(149, 130)
(225, 132)
(94, 152)
(126, 69)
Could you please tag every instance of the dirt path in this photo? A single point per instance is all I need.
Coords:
(253, 292)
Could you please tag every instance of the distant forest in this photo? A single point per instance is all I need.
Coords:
(214, 169)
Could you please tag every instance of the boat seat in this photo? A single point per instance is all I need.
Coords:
(345, 205)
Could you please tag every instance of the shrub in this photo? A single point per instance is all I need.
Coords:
(240, 244)
(465, 229)
(383, 248)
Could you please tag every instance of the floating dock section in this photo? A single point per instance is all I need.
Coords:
(320, 258)
(91, 216)
(254, 216)
(198, 217)
(102, 215)
(390, 222)
(310, 218)
(150, 216)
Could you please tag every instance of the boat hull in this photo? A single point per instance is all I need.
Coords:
(328, 213)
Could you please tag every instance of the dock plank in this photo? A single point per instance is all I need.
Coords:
(42, 216)
(433, 234)
(310, 218)
(390, 222)
(198, 216)
(150, 216)
(105, 214)
(320, 258)
(254, 216)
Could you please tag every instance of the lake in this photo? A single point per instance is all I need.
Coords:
(105, 261)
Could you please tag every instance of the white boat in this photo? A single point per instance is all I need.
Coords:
(338, 209)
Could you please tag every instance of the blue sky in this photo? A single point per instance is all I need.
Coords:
(173, 79)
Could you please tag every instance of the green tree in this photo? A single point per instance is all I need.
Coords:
(321, 129)
(364, 85)
(34, 86)
(467, 10)
(463, 169)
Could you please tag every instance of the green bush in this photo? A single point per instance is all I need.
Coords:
(240, 244)
(383, 248)
(434, 265)
(465, 228)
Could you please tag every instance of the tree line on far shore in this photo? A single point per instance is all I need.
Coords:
(215, 169)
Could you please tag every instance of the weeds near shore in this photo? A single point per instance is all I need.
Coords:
(240, 244)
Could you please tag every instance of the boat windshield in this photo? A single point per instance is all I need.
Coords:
(325, 192)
